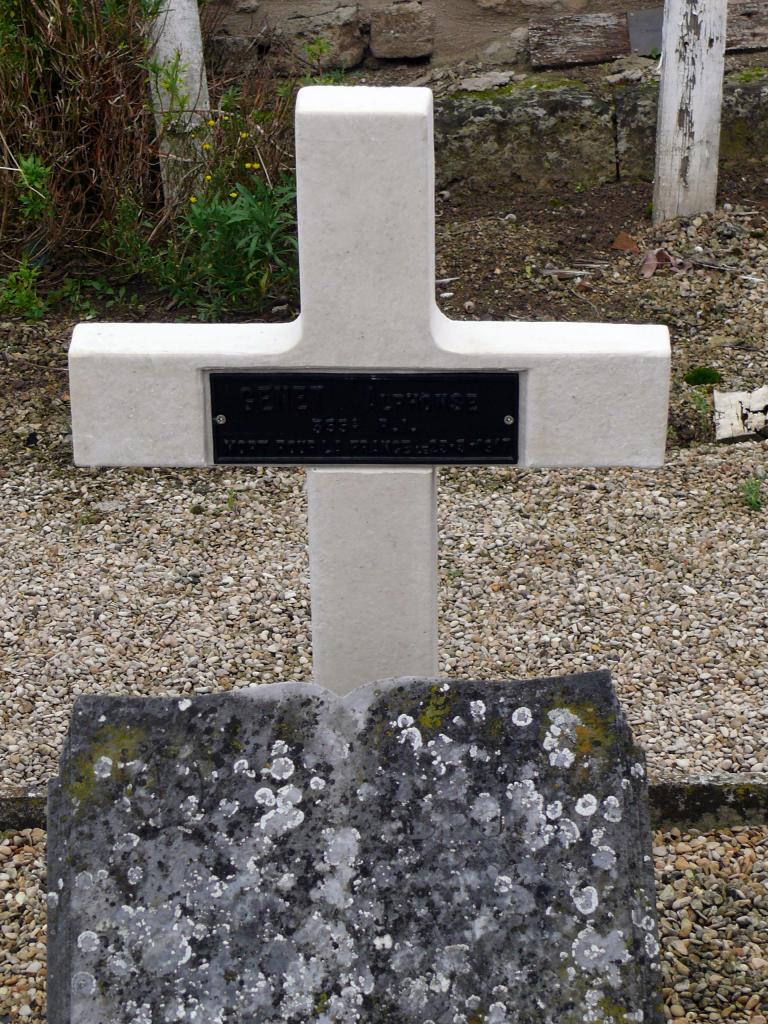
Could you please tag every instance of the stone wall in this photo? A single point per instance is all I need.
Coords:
(546, 130)
(447, 31)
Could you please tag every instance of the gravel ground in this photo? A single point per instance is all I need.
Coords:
(169, 582)
(712, 897)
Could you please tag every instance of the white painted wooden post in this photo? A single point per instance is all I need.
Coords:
(690, 104)
(179, 88)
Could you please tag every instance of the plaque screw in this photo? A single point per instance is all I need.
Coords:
(509, 420)
(221, 419)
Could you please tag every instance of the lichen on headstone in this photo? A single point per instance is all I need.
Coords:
(419, 851)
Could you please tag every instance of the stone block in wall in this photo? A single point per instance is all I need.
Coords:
(237, 54)
(636, 105)
(744, 131)
(543, 135)
(402, 30)
(335, 37)
(509, 48)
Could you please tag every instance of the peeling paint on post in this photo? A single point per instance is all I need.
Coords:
(690, 102)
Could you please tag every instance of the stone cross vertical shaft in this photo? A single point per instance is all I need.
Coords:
(589, 394)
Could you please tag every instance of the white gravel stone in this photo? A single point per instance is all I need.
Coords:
(657, 575)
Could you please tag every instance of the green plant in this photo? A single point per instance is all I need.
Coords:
(223, 253)
(19, 295)
(73, 93)
(88, 295)
(33, 193)
(315, 52)
(703, 375)
(751, 493)
(703, 412)
(167, 78)
(316, 49)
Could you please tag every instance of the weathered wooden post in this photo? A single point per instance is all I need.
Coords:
(690, 102)
(179, 87)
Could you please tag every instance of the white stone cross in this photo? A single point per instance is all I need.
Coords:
(590, 394)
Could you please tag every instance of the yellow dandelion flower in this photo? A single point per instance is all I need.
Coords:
(248, 167)
(233, 195)
(207, 177)
(256, 167)
(243, 135)
(206, 145)
(193, 199)
(211, 123)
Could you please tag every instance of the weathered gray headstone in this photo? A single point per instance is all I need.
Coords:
(419, 851)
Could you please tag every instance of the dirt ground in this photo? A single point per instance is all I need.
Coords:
(516, 255)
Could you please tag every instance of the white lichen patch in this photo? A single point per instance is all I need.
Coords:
(83, 983)
(560, 737)
(240, 766)
(135, 875)
(612, 809)
(484, 808)
(412, 736)
(586, 805)
(604, 858)
(265, 797)
(189, 806)
(282, 768)
(184, 704)
(585, 899)
(568, 832)
(651, 945)
(521, 717)
(497, 1014)
(87, 942)
(477, 710)
(317, 783)
(229, 807)
(127, 841)
(279, 821)
(102, 767)
(594, 951)
(562, 758)
(288, 796)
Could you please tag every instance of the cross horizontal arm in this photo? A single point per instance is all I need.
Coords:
(591, 394)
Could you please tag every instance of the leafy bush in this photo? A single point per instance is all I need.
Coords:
(19, 295)
(223, 254)
(79, 146)
(77, 130)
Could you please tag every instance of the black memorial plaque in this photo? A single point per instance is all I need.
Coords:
(347, 418)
